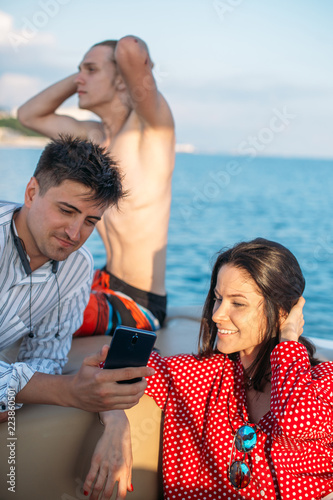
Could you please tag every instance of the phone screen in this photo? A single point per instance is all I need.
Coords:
(130, 347)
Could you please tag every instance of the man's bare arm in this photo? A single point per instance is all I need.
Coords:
(91, 389)
(135, 67)
(39, 113)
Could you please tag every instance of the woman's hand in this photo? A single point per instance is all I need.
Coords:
(112, 459)
(291, 327)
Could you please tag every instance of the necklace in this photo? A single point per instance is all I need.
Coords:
(248, 381)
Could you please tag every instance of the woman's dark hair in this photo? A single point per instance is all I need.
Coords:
(279, 279)
(82, 161)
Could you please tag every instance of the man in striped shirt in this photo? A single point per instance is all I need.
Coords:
(45, 279)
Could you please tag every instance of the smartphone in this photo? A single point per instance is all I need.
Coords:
(129, 347)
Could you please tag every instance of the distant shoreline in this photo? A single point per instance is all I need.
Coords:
(23, 142)
(34, 142)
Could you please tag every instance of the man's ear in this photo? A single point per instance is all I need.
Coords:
(31, 191)
(120, 84)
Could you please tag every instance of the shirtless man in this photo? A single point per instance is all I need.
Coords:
(115, 81)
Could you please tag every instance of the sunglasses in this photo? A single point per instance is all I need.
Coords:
(239, 471)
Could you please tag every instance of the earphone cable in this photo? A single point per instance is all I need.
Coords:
(58, 289)
(30, 320)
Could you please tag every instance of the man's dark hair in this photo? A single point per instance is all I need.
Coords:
(279, 279)
(82, 161)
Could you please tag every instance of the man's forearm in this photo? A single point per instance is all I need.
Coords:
(90, 389)
(47, 101)
(43, 388)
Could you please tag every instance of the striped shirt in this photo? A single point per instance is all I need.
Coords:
(54, 316)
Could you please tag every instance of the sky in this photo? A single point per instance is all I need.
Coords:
(251, 77)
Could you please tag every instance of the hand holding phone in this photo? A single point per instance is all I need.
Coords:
(130, 347)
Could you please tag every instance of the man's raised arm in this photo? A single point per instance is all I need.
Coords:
(135, 67)
(39, 113)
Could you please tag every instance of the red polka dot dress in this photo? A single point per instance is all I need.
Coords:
(204, 405)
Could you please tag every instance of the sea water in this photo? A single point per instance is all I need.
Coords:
(220, 200)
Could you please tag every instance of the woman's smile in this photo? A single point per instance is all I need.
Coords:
(222, 331)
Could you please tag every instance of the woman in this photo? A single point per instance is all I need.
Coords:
(251, 416)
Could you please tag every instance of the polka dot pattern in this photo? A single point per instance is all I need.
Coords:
(204, 404)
